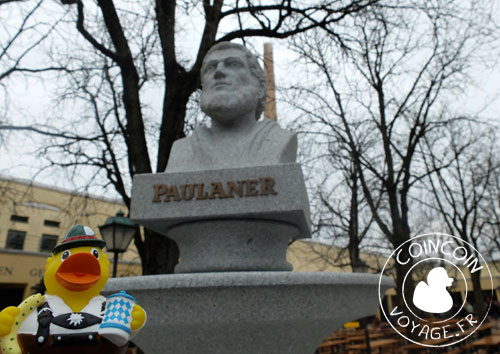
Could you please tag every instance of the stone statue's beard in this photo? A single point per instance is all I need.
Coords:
(225, 106)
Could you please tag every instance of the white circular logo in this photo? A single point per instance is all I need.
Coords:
(432, 312)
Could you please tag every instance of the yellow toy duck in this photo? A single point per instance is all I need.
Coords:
(71, 317)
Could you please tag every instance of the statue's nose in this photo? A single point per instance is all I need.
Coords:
(219, 72)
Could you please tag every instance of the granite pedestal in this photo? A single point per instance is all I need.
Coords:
(248, 245)
(233, 227)
(226, 220)
(247, 312)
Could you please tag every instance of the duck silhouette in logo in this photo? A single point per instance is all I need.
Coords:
(433, 296)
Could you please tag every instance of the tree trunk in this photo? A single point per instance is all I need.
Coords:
(354, 223)
(479, 303)
(405, 292)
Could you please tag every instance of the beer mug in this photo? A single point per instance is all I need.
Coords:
(115, 326)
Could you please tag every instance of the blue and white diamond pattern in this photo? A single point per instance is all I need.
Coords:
(118, 311)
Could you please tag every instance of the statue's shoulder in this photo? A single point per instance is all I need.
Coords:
(185, 151)
(191, 139)
(179, 143)
(275, 130)
(278, 142)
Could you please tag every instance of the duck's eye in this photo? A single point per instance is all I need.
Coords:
(95, 252)
(65, 255)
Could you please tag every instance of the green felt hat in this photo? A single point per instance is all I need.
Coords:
(78, 236)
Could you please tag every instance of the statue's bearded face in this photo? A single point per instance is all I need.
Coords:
(230, 90)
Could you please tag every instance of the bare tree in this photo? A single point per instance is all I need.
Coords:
(460, 191)
(18, 41)
(491, 212)
(341, 217)
(386, 92)
(22, 33)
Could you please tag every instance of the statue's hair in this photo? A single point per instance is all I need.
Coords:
(255, 69)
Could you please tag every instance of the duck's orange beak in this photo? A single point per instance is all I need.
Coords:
(79, 272)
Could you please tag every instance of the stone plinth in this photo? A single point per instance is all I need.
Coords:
(248, 312)
(236, 244)
(226, 220)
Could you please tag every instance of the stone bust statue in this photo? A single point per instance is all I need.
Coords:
(233, 96)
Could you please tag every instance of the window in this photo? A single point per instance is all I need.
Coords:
(51, 223)
(48, 242)
(18, 218)
(15, 239)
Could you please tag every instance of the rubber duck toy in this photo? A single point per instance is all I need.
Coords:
(72, 317)
(433, 296)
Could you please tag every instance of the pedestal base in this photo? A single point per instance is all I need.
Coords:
(233, 245)
(247, 312)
